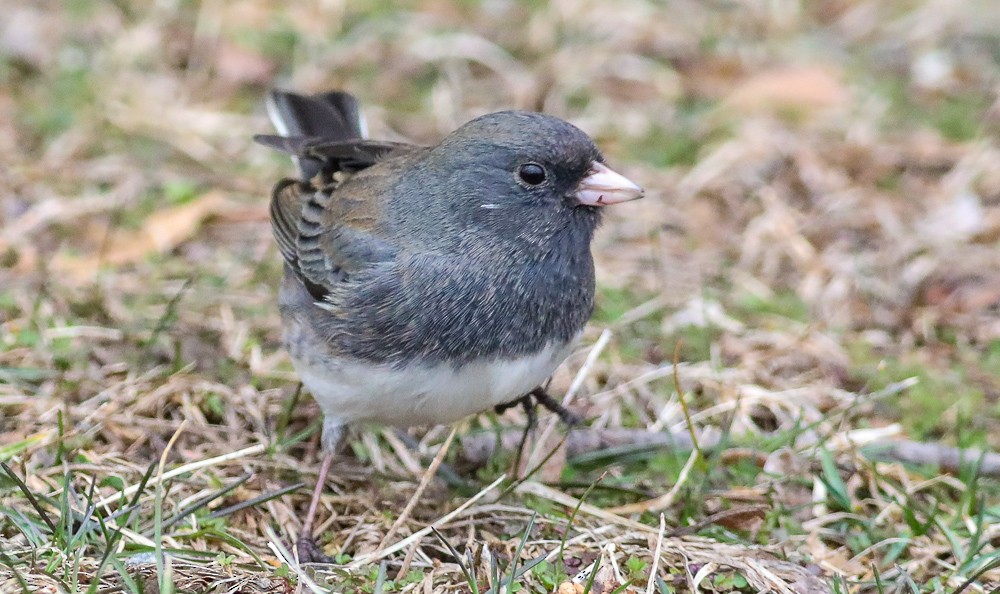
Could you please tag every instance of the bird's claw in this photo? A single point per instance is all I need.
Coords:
(310, 552)
(565, 415)
(540, 396)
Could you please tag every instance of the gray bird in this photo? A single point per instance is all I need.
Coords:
(426, 284)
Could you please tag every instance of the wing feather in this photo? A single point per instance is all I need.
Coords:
(326, 223)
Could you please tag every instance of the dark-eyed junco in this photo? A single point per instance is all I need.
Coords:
(423, 285)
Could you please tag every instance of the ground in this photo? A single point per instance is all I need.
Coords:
(817, 251)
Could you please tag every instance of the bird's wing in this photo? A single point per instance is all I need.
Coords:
(329, 227)
(327, 222)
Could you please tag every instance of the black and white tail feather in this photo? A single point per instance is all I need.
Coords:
(323, 133)
(333, 116)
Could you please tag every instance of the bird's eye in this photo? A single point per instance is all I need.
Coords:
(531, 174)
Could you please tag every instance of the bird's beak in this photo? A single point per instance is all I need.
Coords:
(602, 186)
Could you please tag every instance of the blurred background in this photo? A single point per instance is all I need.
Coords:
(818, 241)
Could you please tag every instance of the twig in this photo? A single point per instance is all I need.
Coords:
(581, 376)
(945, 458)
(663, 501)
(245, 452)
(680, 398)
(424, 481)
(656, 556)
(481, 447)
(743, 510)
(403, 453)
(404, 567)
(164, 569)
(546, 492)
(585, 441)
(372, 557)
(279, 550)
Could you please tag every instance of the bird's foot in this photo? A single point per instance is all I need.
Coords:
(565, 415)
(310, 552)
(502, 408)
(540, 396)
(529, 401)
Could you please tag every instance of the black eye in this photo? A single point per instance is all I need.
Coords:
(531, 174)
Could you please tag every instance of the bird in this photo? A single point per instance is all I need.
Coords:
(425, 284)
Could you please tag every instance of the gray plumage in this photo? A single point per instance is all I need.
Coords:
(423, 285)
(396, 254)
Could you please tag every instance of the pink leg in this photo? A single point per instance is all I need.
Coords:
(308, 550)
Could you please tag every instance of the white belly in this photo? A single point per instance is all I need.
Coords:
(351, 391)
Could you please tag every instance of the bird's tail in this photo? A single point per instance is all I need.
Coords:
(333, 116)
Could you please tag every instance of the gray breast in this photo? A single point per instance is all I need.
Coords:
(443, 310)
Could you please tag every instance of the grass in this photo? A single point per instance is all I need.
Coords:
(807, 257)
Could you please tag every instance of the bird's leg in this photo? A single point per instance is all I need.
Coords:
(529, 402)
(539, 396)
(306, 547)
(529, 409)
(532, 413)
(308, 550)
(502, 408)
(565, 415)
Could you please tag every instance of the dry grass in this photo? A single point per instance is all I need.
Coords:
(821, 226)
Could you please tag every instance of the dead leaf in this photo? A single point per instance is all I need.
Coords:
(570, 588)
(710, 76)
(238, 64)
(747, 518)
(161, 232)
(837, 559)
(802, 90)
(735, 455)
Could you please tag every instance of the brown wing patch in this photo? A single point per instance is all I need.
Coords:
(286, 209)
(328, 227)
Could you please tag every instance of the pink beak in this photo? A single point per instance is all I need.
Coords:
(602, 186)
